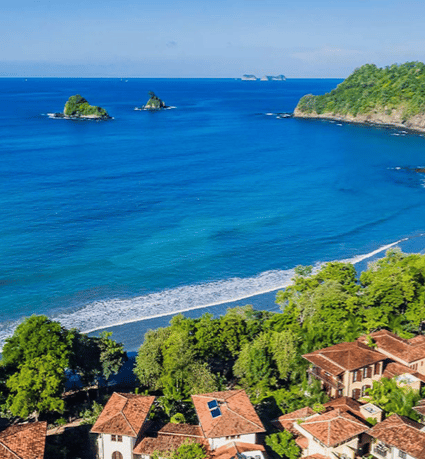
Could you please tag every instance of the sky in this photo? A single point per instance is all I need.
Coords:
(206, 38)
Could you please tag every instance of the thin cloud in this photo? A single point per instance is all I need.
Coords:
(171, 44)
(326, 54)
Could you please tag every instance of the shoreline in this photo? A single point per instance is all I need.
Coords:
(131, 333)
(360, 122)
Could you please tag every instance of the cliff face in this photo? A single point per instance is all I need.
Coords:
(395, 119)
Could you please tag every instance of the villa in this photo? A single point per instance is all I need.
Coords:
(228, 425)
(348, 369)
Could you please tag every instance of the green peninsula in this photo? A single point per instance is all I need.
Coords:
(393, 95)
(77, 107)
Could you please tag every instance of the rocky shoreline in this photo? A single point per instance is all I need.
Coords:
(416, 123)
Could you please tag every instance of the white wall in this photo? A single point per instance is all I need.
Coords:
(107, 446)
(217, 442)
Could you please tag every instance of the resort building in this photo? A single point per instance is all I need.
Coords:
(228, 425)
(348, 369)
(339, 431)
(23, 441)
(398, 437)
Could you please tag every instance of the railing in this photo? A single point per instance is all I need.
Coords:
(331, 380)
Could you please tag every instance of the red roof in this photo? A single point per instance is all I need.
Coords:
(23, 441)
(347, 404)
(397, 369)
(230, 450)
(344, 357)
(124, 414)
(403, 433)
(407, 350)
(286, 421)
(237, 417)
(333, 427)
(169, 438)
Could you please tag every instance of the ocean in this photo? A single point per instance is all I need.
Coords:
(211, 203)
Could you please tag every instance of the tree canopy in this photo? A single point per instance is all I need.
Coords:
(368, 88)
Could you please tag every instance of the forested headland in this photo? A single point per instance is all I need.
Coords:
(393, 95)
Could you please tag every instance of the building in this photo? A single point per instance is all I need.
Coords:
(398, 437)
(228, 424)
(121, 424)
(348, 369)
(228, 420)
(23, 441)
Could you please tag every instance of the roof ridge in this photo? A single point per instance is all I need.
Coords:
(10, 451)
(125, 417)
(332, 361)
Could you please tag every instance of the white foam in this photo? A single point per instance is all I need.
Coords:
(102, 314)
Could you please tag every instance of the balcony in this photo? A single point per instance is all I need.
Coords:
(326, 377)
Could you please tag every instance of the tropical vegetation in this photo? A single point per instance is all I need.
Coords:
(370, 88)
(78, 106)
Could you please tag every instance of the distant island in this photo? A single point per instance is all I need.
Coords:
(78, 108)
(393, 95)
(154, 103)
(264, 78)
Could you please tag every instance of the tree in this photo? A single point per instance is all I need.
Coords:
(283, 444)
(112, 354)
(36, 357)
(187, 450)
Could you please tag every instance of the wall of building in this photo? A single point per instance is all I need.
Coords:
(217, 442)
(392, 452)
(107, 446)
(350, 385)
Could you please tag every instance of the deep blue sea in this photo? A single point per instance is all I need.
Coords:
(215, 200)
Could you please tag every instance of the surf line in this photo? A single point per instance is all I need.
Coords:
(353, 260)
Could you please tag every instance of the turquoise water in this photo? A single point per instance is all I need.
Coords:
(214, 200)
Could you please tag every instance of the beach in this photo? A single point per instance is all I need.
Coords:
(132, 334)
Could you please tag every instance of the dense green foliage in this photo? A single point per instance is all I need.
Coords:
(78, 106)
(35, 360)
(393, 398)
(283, 444)
(370, 88)
(188, 450)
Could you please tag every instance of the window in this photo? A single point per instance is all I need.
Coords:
(116, 455)
(355, 376)
(365, 372)
(401, 454)
(119, 437)
(377, 368)
(113, 438)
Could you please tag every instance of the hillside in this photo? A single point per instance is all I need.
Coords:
(393, 95)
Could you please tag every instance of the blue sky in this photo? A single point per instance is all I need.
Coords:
(199, 38)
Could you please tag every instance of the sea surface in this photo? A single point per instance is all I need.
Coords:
(211, 202)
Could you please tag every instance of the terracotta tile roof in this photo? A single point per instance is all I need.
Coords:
(345, 404)
(238, 416)
(403, 433)
(124, 414)
(344, 357)
(148, 444)
(230, 450)
(315, 456)
(286, 421)
(23, 441)
(395, 369)
(333, 427)
(302, 442)
(181, 429)
(407, 350)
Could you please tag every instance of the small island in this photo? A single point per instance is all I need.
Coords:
(392, 96)
(78, 108)
(264, 78)
(154, 103)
